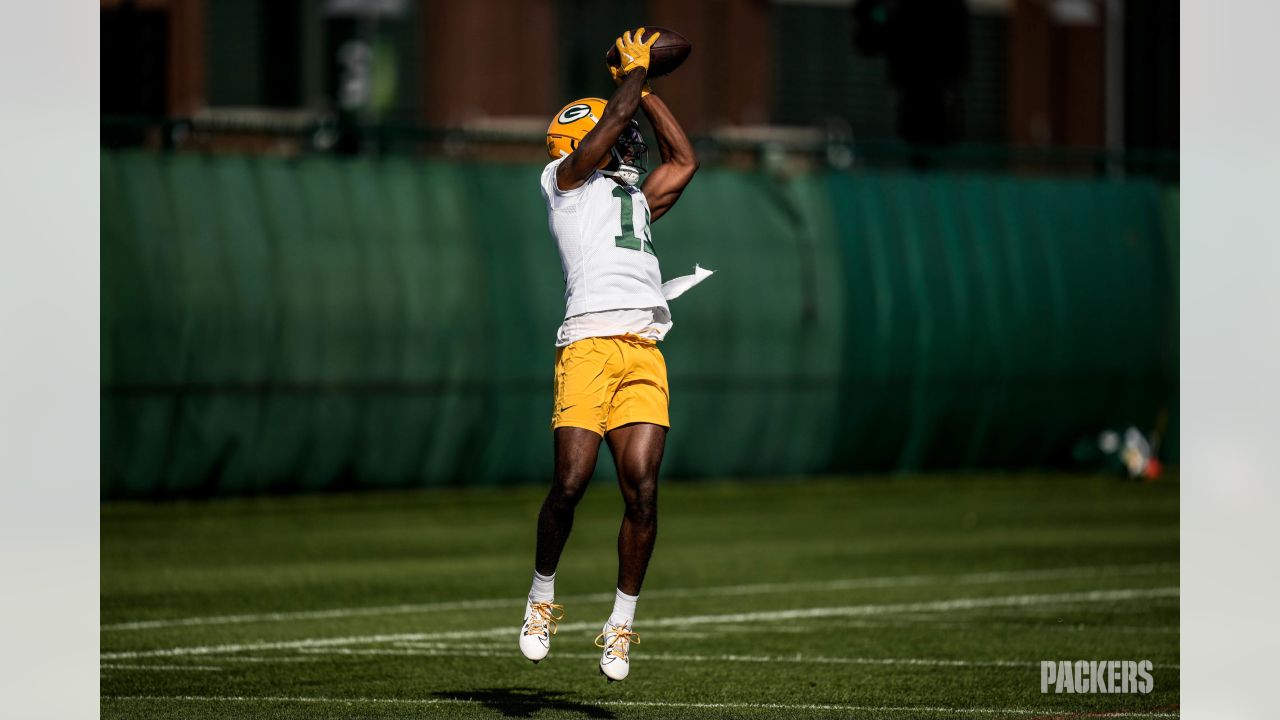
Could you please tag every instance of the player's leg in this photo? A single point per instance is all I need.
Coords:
(576, 450)
(636, 431)
(637, 452)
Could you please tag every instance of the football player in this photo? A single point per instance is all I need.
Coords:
(610, 378)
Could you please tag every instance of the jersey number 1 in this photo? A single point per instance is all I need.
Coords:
(629, 239)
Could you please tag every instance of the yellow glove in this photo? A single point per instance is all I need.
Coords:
(618, 77)
(634, 52)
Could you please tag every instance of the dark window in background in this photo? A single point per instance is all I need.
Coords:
(235, 52)
(986, 91)
(1151, 75)
(282, 53)
(403, 35)
(588, 22)
(818, 76)
(255, 54)
(135, 46)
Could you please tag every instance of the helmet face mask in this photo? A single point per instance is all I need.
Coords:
(628, 156)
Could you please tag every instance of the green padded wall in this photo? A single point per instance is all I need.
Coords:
(274, 325)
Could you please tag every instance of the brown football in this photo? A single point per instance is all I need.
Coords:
(666, 55)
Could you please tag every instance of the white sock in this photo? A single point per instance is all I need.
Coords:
(624, 609)
(544, 588)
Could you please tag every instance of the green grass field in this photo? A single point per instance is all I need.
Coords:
(904, 598)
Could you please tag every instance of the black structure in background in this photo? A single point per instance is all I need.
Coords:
(925, 44)
(134, 55)
(1151, 75)
(281, 54)
(254, 53)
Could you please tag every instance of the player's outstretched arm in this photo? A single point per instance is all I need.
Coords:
(663, 187)
(618, 111)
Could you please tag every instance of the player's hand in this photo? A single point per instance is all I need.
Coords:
(619, 76)
(633, 52)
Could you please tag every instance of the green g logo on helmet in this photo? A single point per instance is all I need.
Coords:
(565, 131)
(574, 112)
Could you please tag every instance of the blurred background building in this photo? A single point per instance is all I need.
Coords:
(1082, 74)
(946, 237)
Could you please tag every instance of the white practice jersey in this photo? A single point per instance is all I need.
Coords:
(648, 323)
(607, 255)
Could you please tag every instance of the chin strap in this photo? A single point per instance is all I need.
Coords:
(626, 173)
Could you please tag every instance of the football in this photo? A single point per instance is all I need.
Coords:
(666, 55)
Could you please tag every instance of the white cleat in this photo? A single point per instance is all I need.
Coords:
(540, 620)
(616, 640)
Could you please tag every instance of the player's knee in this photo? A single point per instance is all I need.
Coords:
(568, 489)
(642, 506)
(644, 514)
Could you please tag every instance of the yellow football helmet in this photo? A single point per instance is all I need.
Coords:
(626, 159)
(571, 124)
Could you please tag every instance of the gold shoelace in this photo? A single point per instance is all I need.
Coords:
(623, 633)
(542, 616)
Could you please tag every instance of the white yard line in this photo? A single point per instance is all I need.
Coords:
(1095, 596)
(258, 659)
(206, 668)
(675, 657)
(916, 621)
(321, 614)
(494, 644)
(713, 591)
(640, 703)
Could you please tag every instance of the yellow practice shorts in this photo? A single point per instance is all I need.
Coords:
(606, 382)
